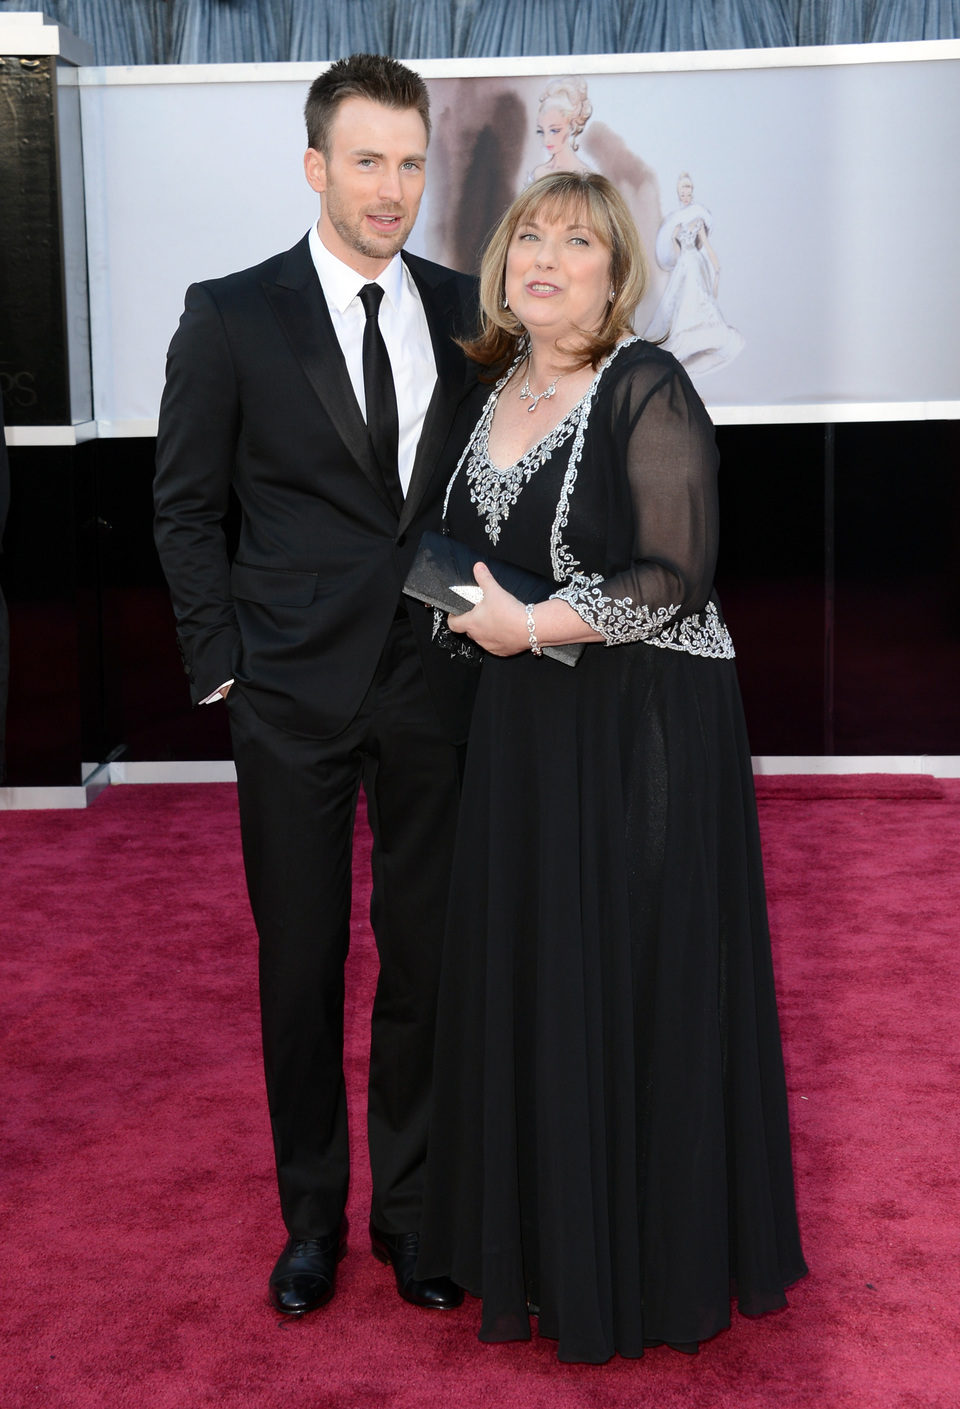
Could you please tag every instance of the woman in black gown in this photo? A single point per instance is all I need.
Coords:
(609, 1147)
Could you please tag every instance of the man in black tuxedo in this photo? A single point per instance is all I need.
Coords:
(278, 389)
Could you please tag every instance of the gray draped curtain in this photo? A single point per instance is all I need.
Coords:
(249, 31)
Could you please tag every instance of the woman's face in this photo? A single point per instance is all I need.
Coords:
(685, 191)
(557, 275)
(553, 128)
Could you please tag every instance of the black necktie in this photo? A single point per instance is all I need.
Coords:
(380, 394)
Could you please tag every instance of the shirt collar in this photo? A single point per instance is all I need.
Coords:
(341, 284)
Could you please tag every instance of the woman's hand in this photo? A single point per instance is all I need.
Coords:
(498, 623)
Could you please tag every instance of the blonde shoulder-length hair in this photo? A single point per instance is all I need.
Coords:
(587, 198)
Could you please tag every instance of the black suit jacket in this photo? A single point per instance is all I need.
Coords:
(258, 400)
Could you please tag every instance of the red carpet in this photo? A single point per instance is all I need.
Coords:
(140, 1218)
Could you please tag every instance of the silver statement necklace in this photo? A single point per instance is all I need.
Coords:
(527, 395)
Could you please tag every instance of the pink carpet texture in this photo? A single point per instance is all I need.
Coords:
(139, 1211)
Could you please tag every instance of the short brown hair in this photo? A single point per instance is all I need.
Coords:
(600, 206)
(372, 76)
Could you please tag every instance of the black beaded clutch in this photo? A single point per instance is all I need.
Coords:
(442, 576)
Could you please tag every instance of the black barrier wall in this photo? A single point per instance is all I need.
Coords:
(839, 576)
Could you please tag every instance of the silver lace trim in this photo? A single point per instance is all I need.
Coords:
(565, 565)
(620, 622)
(494, 491)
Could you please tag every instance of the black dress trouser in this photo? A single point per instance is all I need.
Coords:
(298, 798)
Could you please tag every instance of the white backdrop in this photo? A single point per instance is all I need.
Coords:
(831, 176)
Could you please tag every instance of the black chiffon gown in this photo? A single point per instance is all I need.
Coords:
(609, 1147)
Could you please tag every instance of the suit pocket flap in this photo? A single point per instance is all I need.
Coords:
(272, 587)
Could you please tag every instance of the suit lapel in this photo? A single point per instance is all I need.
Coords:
(298, 302)
(442, 308)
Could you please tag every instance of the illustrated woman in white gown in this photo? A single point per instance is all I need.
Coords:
(688, 321)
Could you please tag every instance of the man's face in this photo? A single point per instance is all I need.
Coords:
(370, 183)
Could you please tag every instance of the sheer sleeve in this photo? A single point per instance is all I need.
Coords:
(661, 431)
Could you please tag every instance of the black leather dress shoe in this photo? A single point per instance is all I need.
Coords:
(305, 1276)
(400, 1251)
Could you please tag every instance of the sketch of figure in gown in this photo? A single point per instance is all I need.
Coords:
(564, 112)
(688, 321)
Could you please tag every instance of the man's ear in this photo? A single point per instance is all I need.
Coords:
(315, 169)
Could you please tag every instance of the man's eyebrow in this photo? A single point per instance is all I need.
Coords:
(370, 152)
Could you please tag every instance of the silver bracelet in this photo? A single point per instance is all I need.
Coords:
(535, 646)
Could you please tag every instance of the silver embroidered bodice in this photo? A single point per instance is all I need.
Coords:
(644, 612)
(495, 491)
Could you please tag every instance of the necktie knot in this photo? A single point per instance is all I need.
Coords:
(370, 296)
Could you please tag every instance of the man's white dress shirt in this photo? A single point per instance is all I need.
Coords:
(403, 324)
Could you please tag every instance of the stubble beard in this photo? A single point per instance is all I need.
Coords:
(353, 232)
